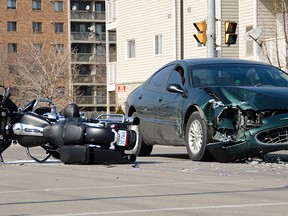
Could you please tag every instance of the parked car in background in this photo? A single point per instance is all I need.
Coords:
(220, 109)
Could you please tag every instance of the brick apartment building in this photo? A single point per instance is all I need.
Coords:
(77, 24)
(23, 19)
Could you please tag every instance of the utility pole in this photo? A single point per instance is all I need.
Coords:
(211, 45)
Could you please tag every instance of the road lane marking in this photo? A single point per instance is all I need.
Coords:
(172, 209)
(123, 186)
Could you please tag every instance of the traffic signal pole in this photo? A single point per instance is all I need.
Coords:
(211, 43)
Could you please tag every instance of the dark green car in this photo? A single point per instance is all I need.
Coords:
(220, 109)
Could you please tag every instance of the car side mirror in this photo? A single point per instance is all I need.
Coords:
(176, 88)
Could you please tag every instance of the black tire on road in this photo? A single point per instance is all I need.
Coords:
(196, 138)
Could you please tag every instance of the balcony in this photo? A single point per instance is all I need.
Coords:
(88, 36)
(95, 100)
(90, 79)
(112, 36)
(87, 15)
(88, 58)
(275, 51)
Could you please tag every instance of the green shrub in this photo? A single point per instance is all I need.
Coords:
(119, 110)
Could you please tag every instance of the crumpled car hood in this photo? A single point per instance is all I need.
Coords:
(256, 98)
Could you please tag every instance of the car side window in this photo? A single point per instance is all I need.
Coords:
(159, 79)
(201, 77)
(175, 78)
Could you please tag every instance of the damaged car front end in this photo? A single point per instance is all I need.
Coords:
(252, 122)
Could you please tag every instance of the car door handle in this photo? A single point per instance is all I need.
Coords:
(159, 99)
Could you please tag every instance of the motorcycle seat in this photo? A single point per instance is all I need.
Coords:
(65, 132)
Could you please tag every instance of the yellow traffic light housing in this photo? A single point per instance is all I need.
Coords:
(201, 36)
(230, 35)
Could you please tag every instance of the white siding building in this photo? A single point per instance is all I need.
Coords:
(152, 33)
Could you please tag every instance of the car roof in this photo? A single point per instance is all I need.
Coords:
(201, 61)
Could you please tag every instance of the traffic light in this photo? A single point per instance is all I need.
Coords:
(201, 36)
(230, 29)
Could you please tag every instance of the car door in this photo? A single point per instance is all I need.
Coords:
(147, 103)
(170, 111)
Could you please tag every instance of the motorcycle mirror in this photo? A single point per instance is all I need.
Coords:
(3, 94)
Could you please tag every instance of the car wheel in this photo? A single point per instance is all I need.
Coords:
(196, 138)
(141, 148)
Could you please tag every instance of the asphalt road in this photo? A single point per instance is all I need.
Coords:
(166, 183)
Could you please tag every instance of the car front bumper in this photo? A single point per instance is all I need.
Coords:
(272, 136)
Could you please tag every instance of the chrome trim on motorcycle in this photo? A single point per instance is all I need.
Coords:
(116, 136)
(28, 130)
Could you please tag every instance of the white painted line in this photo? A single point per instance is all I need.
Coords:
(32, 161)
(172, 209)
(122, 186)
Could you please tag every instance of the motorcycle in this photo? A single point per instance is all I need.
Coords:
(65, 134)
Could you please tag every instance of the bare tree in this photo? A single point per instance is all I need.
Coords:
(2, 68)
(276, 52)
(41, 71)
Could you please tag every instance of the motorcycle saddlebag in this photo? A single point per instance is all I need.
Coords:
(107, 156)
(74, 154)
(87, 154)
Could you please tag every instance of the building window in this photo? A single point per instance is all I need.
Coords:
(11, 69)
(11, 26)
(12, 48)
(11, 4)
(59, 48)
(131, 49)
(100, 6)
(249, 43)
(58, 27)
(158, 44)
(36, 4)
(38, 47)
(58, 5)
(37, 27)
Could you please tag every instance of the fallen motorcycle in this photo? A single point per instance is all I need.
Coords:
(66, 135)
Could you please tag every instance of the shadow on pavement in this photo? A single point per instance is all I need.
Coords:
(171, 155)
(276, 157)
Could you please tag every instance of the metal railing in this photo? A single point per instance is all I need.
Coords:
(90, 79)
(88, 57)
(87, 15)
(96, 100)
(112, 36)
(275, 50)
(88, 36)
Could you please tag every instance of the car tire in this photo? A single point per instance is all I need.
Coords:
(196, 138)
(141, 148)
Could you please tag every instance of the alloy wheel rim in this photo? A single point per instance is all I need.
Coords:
(195, 137)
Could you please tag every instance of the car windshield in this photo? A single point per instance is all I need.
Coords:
(238, 75)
